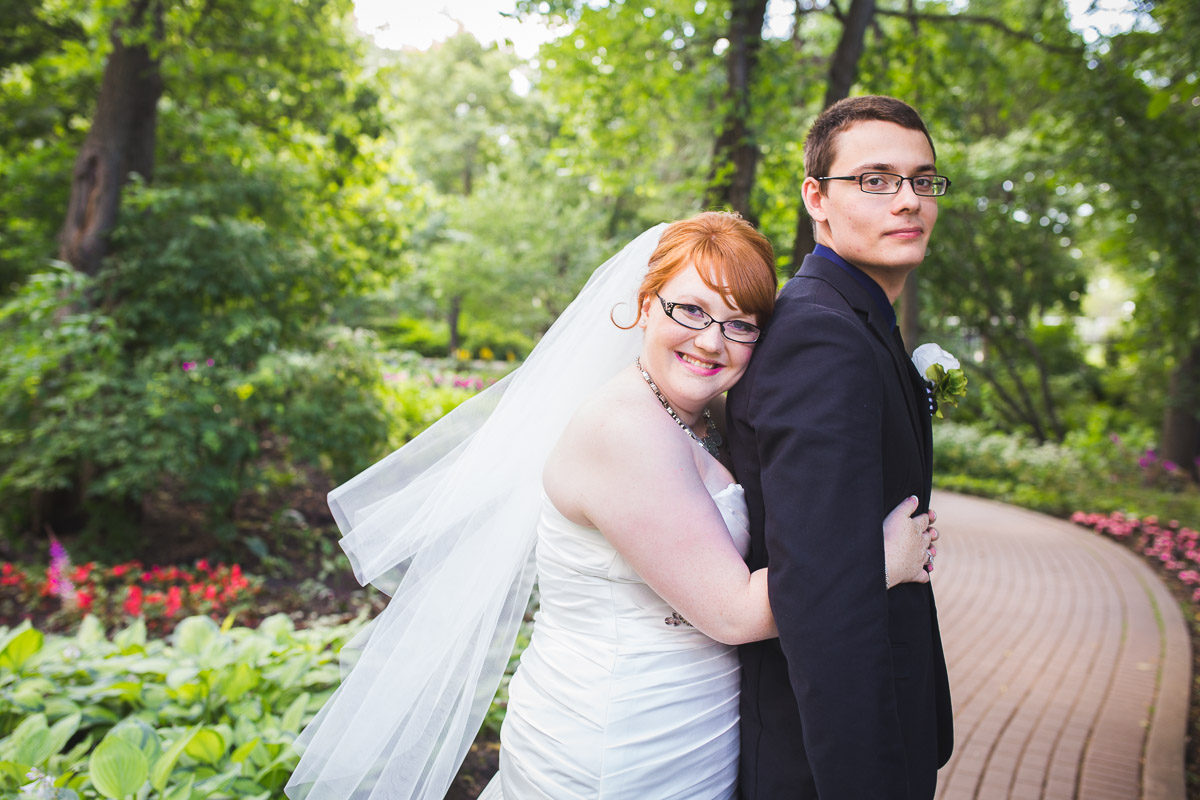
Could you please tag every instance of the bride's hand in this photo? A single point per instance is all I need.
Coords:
(908, 543)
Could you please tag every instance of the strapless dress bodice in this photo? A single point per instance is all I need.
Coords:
(617, 696)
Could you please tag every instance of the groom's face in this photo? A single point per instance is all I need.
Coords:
(879, 233)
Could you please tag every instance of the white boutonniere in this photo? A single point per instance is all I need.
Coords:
(942, 373)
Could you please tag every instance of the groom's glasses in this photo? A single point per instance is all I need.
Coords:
(890, 183)
(696, 318)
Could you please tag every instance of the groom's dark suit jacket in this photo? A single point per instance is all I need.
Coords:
(829, 430)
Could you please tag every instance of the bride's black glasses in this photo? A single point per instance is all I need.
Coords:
(696, 318)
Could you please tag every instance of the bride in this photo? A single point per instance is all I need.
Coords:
(604, 450)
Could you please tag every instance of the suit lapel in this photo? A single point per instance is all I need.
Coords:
(911, 384)
(918, 406)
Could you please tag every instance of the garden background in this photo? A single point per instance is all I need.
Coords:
(245, 252)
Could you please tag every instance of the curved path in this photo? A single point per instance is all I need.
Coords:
(1069, 661)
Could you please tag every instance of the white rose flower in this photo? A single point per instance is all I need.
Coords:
(927, 355)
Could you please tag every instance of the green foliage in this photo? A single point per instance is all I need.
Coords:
(89, 403)
(1095, 473)
(213, 713)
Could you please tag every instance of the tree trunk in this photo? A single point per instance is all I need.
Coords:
(843, 70)
(121, 141)
(1181, 427)
(735, 154)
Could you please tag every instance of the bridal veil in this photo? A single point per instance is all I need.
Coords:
(446, 525)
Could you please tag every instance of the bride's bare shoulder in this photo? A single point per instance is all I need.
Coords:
(620, 411)
(617, 421)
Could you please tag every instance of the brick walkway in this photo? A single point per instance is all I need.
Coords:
(1069, 661)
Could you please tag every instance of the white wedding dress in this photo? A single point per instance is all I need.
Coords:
(617, 696)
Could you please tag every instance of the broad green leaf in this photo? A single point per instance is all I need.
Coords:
(139, 734)
(182, 791)
(77, 754)
(216, 783)
(295, 714)
(14, 772)
(21, 645)
(99, 715)
(59, 707)
(31, 693)
(290, 671)
(31, 740)
(165, 764)
(206, 746)
(91, 633)
(117, 768)
(278, 627)
(243, 751)
(248, 789)
(150, 666)
(62, 731)
(249, 708)
(132, 638)
(194, 636)
(181, 675)
(235, 681)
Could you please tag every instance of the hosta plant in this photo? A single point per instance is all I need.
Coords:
(210, 712)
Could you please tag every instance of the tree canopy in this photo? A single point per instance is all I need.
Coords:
(219, 218)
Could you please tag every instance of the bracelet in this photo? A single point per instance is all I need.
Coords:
(887, 584)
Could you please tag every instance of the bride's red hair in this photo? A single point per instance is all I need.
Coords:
(731, 256)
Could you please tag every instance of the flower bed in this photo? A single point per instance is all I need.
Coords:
(60, 597)
(1170, 544)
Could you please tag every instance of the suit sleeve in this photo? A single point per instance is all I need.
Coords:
(817, 415)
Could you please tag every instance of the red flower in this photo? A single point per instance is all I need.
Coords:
(174, 601)
(84, 600)
(133, 601)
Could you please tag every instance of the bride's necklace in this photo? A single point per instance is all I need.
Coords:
(712, 437)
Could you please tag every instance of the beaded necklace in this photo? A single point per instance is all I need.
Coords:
(712, 437)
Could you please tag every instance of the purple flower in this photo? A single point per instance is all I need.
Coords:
(1115, 439)
(57, 576)
(210, 362)
(1170, 466)
(187, 366)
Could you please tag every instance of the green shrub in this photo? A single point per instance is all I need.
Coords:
(422, 336)
(1095, 471)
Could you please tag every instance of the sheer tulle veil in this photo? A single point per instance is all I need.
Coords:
(446, 525)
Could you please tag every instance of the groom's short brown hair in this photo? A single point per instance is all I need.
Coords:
(820, 144)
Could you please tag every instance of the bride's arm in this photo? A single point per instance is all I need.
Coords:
(623, 471)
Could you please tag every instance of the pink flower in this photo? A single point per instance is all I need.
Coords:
(58, 580)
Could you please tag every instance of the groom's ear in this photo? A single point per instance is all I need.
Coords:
(814, 200)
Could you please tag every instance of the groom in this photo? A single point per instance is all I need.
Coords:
(830, 429)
